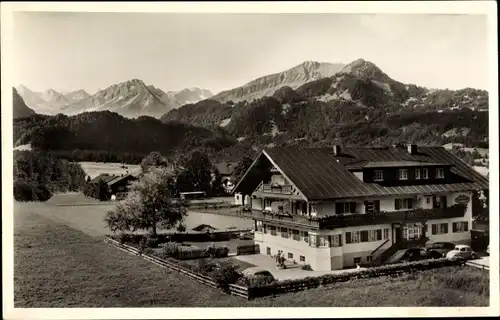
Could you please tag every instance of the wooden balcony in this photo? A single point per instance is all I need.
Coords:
(279, 189)
(340, 221)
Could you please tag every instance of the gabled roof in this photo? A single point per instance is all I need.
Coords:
(318, 174)
(118, 179)
(104, 177)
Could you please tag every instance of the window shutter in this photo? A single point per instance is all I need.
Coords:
(454, 227)
(377, 205)
(340, 240)
(445, 228)
(338, 208)
(434, 229)
(379, 234)
(352, 207)
(410, 203)
(466, 226)
(364, 236)
(396, 204)
(347, 237)
(443, 202)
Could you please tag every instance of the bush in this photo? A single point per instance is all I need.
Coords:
(30, 191)
(258, 281)
(247, 249)
(225, 274)
(217, 252)
(306, 267)
(152, 242)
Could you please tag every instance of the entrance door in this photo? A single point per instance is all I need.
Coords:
(397, 234)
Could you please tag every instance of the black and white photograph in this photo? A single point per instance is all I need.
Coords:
(267, 155)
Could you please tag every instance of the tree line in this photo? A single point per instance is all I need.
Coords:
(39, 174)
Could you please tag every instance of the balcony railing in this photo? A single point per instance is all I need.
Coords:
(281, 189)
(339, 221)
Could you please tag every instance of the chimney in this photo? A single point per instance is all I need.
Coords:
(412, 148)
(336, 150)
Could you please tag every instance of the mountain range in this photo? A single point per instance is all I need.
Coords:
(131, 98)
(360, 105)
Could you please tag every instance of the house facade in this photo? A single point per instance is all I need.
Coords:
(333, 208)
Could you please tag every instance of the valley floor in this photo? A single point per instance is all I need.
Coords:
(56, 265)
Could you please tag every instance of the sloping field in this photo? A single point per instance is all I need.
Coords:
(93, 169)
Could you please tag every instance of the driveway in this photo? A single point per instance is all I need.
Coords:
(291, 272)
(481, 263)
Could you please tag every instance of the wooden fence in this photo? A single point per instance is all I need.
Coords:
(233, 289)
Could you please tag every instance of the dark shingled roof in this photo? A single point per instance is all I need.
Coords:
(104, 177)
(318, 174)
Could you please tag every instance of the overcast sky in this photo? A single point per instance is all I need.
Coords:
(91, 51)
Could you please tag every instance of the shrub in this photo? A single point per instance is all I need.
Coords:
(306, 267)
(170, 249)
(247, 249)
(217, 252)
(153, 242)
(225, 274)
(30, 191)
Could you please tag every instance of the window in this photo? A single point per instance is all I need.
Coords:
(268, 251)
(440, 228)
(302, 259)
(417, 174)
(259, 226)
(372, 206)
(386, 233)
(296, 235)
(357, 260)
(353, 237)
(336, 240)
(378, 175)
(305, 236)
(345, 207)
(403, 174)
(312, 240)
(313, 208)
(462, 226)
(439, 202)
(375, 235)
(290, 255)
(403, 203)
(425, 173)
(439, 173)
(273, 230)
(369, 258)
(428, 200)
(412, 232)
(323, 241)
(284, 232)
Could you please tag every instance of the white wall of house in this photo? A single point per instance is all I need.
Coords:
(454, 237)
(279, 179)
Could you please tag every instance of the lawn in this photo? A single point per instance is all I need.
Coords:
(93, 169)
(57, 266)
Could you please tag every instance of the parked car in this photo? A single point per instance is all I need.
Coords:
(462, 251)
(439, 249)
(255, 272)
(414, 254)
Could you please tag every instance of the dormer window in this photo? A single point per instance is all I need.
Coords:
(425, 173)
(417, 174)
(378, 175)
(403, 174)
(439, 173)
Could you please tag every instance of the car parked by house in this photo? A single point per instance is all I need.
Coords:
(438, 249)
(414, 254)
(462, 251)
(258, 273)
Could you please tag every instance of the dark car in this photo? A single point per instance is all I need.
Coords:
(439, 249)
(414, 254)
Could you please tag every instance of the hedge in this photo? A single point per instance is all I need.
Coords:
(385, 270)
(247, 249)
(179, 252)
